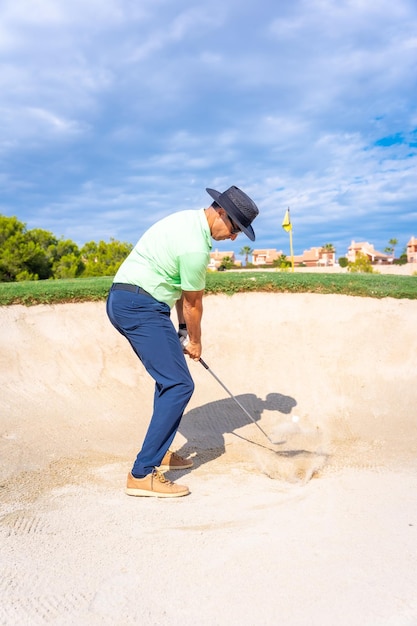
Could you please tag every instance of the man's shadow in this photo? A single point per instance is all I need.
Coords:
(204, 427)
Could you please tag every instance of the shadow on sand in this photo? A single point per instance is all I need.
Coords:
(204, 427)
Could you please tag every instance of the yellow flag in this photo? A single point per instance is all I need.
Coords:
(286, 223)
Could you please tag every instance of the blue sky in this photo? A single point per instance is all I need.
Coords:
(115, 113)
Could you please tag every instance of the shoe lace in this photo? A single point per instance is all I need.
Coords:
(161, 477)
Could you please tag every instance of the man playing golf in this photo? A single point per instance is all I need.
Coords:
(168, 266)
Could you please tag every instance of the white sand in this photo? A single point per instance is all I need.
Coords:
(318, 530)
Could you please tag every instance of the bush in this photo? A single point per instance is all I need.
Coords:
(401, 261)
(361, 264)
(226, 263)
(343, 262)
(282, 262)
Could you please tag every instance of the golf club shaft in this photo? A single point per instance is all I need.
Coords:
(204, 364)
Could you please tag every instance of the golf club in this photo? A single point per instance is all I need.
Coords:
(204, 364)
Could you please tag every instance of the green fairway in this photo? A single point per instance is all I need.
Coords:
(88, 289)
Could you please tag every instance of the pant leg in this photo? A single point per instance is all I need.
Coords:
(146, 324)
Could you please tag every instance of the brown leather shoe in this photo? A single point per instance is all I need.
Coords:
(173, 461)
(154, 484)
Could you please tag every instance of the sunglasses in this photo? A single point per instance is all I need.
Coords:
(235, 229)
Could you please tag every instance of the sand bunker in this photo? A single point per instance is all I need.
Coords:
(318, 529)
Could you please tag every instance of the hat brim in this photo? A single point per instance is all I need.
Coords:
(230, 209)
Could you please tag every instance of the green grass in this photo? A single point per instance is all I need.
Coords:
(90, 289)
(366, 285)
(55, 291)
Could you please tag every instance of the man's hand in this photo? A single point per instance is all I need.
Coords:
(193, 349)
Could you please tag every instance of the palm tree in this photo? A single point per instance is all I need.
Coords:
(329, 251)
(246, 251)
(391, 248)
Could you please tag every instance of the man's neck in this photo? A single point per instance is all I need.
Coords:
(211, 215)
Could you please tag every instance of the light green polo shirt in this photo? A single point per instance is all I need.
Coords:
(170, 257)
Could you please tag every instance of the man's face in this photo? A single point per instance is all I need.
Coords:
(224, 227)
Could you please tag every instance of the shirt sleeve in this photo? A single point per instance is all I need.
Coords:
(193, 270)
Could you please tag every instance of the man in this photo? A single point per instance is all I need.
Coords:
(168, 266)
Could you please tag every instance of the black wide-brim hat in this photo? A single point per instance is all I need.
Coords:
(239, 206)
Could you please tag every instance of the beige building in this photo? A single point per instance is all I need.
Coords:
(368, 250)
(412, 250)
(316, 257)
(265, 257)
(216, 258)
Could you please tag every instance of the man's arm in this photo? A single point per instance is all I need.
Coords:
(179, 307)
(190, 311)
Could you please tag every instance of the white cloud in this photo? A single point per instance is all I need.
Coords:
(65, 12)
(136, 106)
(49, 121)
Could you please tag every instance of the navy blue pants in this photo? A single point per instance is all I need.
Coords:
(147, 325)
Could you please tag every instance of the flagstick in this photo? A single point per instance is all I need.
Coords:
(291, 250)
(286, 225)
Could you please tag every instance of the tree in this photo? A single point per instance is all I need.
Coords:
(35, 254)
(329, 247)
(391, 248)
(41, 251)
(9, 227)
(226, 263)
(362, 263)
(25, 254)
(103, 259)
(246, 251)
(403, 258)
(11, 236)
(38, 254)
(282, 262)
(68, 262)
